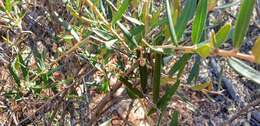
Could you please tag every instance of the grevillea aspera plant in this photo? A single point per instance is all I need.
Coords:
(141, 34)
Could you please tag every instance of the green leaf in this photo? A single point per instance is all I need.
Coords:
(39, 60)
(103, 34)
(14, 72)
(68, 27)
(212, 40)
(134, 21)
(159, 22)
(176, 4)
(157, 72)
(68, 37)
(102, 6)
(156, 18)
(171, 24)
(45, 79)
(159, 119)
(105, 86)
(186, 15)
(121, 11)
(73, 12)
(109, 44)
(13, 94)
(41, 67)
(222, 34)
(256, 50)
(204, 49)
(242, 22)
(163, 102)
(167, 80)
(151, 111)
(199, 21)
(194, 71)
(146, 4)
(143, 76)
(175, 116)
(8, 6)
(157, 77)
(23, 67)
(245, 70)
(138, 33)
(199, 87)
(129, 85)
(132, 41)
(180, 64)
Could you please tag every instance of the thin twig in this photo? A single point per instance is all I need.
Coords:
(216, 52)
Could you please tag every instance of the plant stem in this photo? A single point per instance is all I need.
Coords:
(216, 52)
(234, 53)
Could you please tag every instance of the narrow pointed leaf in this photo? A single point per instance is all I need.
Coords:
(8, 6)
(121, 11)
(133, 90)
(199, 87)
(194, 71)
(102, 34)
(67, 26)
(180, 64)
(157, 72)
(14, 72)
(174, 121)
(163, 102)
(143, 77)
(171, 24)
(45, 79)
(132, 41)
(204, 49)
(245, 70)
(145, 15)
(157, 77)
(256, 50)
(242, 22)
(134, 21)
(155, 18)
(23, 67)
(199, 21)
(222, 34)
(167, 80)
(176, 10)
(186, 15)
(212, 40)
